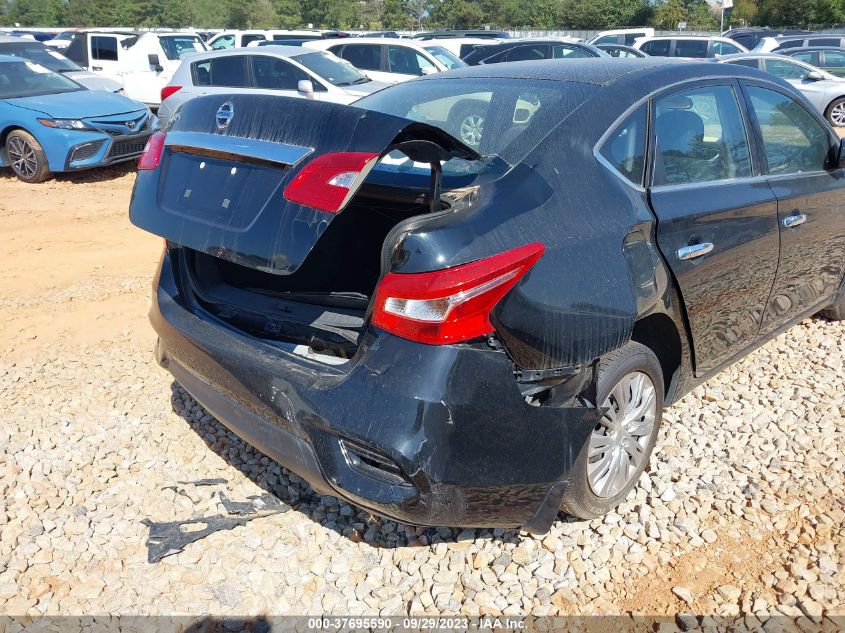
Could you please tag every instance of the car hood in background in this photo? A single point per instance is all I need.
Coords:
(364, 89)
(93, 81)
(82, 104)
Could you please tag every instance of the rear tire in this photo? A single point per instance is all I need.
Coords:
(835, 113)
(630, 386)
(27, 158)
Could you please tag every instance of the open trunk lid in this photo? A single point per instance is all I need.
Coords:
(227, 160)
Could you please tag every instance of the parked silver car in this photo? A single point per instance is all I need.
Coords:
(822, 89)
(55, 61)
(288, 71)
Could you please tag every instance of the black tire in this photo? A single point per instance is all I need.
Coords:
(26, 157)
(835, 110)
(580, 500)
(835, 312)
(460, 118)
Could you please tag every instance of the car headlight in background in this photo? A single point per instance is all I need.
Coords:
(65, 124)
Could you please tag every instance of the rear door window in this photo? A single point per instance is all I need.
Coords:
(700, 137)
(104, 48)
(824, 41)
(223, 72)
(570, 52)
(809, 57)
(363, 56)
(793, 140)
(724, 48)
(524, 53)
(690, 48)
(625, 149)
(792, 44)
(276, 74)
(834, 62)
(656, 48)
(786, 69)
(406, 61)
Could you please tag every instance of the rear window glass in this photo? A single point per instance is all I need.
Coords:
(658, 48)
(227, 72)
(175, 45)
(690, 48)
(625, 149)
(363, 56)
(328, 67)
(506, 118)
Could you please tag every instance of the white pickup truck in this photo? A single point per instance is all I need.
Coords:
(142, 62)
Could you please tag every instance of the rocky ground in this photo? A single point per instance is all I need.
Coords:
(741, 514)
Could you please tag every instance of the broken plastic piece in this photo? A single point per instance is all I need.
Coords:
(168, 538)
(257, 503)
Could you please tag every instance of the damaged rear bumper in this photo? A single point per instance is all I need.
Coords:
(425, 435)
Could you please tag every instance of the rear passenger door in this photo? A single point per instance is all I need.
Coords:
(717, 217)
(833, 62)
(227, 74)
(799, 158)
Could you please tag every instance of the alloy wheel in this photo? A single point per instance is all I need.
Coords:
(837, 114)
(471, 128)
(23, 158)
(619, 441)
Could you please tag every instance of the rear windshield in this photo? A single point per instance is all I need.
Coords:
(40, 54)
(445, 57)
(501, 117)
(336, 72)
(28, 79)
(175, 45)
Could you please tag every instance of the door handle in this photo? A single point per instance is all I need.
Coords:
(96, 67)
(794, 220)
(695, 250)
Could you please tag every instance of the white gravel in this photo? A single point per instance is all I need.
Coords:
(742, 512)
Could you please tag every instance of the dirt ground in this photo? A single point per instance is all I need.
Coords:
(73, 266)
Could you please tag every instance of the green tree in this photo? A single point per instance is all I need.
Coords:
(35, 12)
(668, 14)
(785, 12)
(744, 12)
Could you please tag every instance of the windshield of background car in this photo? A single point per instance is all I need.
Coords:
(28, 79)
(502, 117)
(175, 45)
(39, 54)
(333, 70)
(445, 57)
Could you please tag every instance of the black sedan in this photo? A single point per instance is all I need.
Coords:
(461, 336)
(528, 50)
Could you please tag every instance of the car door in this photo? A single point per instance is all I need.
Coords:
(717, 217)
(367, 58)
(227, 74)
(407, 63)
(104, 56)
(798, 151)
(799, 76)
(280, 77)
(833, 62)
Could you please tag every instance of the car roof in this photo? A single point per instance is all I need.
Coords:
(280, 50)
(600, 71)
(682, 37)
(11, 39)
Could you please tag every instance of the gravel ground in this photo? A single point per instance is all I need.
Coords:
(742, 511)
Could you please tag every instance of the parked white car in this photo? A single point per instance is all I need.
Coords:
(388, 59)
(241, 39)
(691, 46)
(625, 37)
(289, 71)
(142, 62)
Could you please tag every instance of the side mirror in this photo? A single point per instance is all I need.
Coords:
(428, 70)
(815, 75)
(155, 62)
(305, 87)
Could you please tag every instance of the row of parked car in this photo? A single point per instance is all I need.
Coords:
(157, 72)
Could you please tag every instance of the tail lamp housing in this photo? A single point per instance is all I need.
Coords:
(329, 181)
(153, 150)
(454, 304)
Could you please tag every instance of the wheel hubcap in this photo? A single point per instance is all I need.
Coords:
(22, 157)
(618, 443)
(837, 114)
(471, 129)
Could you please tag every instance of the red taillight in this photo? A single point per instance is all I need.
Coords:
(328, 181)
(450, 305)
(169, 90)
(152, 152)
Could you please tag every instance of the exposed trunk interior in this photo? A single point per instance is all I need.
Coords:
(323, 304)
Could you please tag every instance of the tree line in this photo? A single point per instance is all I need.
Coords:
(417, 14)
